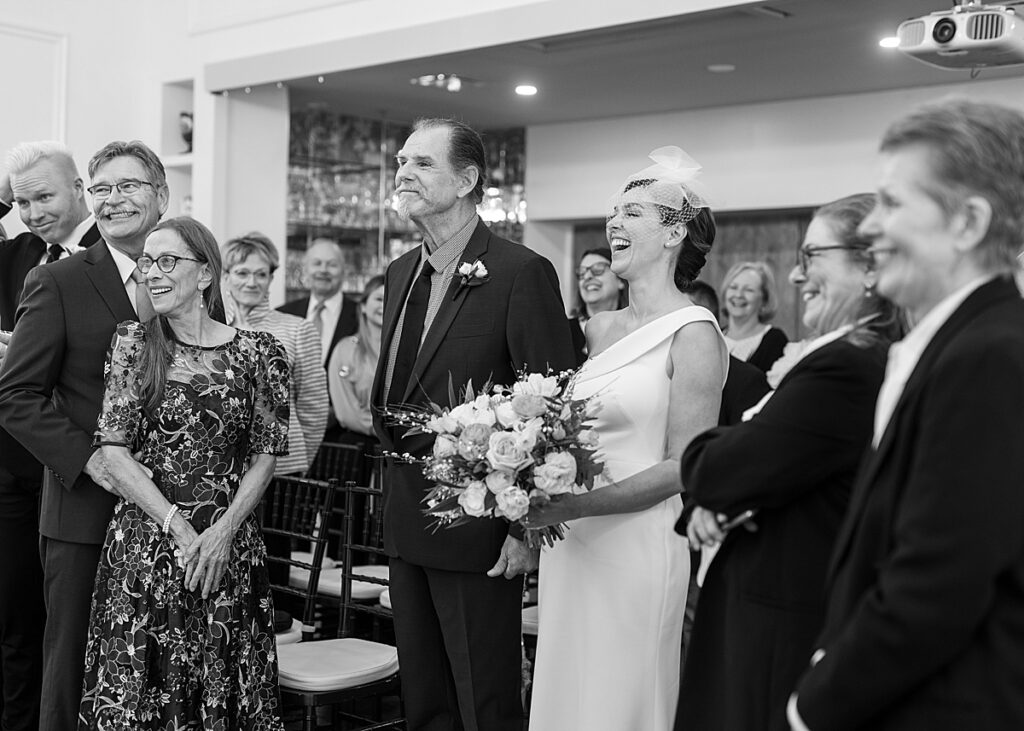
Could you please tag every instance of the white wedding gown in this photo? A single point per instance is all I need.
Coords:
(612, 593)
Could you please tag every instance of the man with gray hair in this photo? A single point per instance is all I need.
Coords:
(51, 389)
(42, 182)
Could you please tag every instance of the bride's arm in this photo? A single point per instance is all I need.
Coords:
(695, 396)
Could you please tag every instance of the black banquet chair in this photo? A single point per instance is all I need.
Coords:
(340, 672)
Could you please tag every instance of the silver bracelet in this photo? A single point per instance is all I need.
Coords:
(167, 520)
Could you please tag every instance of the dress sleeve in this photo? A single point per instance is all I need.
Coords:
(269, 427)
(118, 423)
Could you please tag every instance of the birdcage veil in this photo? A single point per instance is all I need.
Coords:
(672, 183)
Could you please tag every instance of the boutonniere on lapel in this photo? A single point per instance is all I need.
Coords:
(472, 275)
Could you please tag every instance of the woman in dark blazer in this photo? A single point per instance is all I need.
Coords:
(793, 464)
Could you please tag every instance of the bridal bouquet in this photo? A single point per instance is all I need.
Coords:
(503, 449)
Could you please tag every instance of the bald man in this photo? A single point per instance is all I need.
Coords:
(326, 308)
(42, 182)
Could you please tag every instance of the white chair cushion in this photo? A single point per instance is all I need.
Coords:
(291, 635)
(334, 664)
(330, 581)
(531, 617)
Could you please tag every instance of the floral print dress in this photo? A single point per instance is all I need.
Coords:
(158, 655)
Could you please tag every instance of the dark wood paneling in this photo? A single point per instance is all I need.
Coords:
(771, 236)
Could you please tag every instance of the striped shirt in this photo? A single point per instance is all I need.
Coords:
(445, 261)
(307, 399)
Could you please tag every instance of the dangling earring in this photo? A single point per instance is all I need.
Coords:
(869, 290)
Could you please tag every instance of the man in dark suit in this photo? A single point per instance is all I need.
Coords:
(51, 388)
(43, 182)
(925, 621)
(333, 316)
(456, 593)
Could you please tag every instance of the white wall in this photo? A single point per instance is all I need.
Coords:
(776, 155)
(106, 87)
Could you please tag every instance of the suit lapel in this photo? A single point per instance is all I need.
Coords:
(977, 302)
(453, 300)
(90, 237)
(106, 278)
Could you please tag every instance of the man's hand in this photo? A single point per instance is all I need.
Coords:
(516, 558)
(6, 194)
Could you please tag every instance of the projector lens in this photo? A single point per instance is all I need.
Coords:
(944, 31)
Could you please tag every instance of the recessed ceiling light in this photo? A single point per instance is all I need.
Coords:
(319, 79)
(721, 68)
(890, 42)
(526, 90)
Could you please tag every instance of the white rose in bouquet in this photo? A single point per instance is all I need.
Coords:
(529, 432)
(477, 411)
(474, 441)
(513, 503)
(445, 446)
(529, 405)
(558, 473)
(473, 499)
(538, 385)
(443, 424)
(499, 480)
(505, 414)
(507, 452)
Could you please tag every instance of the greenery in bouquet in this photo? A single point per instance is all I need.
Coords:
(505, 448)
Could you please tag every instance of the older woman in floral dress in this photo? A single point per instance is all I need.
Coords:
(181, 630)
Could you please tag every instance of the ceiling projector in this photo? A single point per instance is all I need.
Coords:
(969, 36)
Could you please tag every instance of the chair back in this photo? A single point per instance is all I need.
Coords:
(363, 547)
(296, 512)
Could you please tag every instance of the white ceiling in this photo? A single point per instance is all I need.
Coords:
(823, 47)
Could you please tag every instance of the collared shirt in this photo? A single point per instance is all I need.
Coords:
(807, 348)
(125, 267)
(70, 242)
(444, 260)
(904, 355)
(328, 318)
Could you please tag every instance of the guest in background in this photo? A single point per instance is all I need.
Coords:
(925, 621)
(42, 181)
(745, 385)
(181, 630)
(326, 308)
(748, 291)
(352, 366)
(599, 289)
(249, 265)
(793, 462)
(51, 388)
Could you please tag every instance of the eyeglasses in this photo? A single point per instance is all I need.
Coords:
(595, 270)
(242, 275)
(124, 187)
(166, 262)
(804, 255)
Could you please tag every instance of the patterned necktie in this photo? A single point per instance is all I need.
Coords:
(318, 318)
(143, 304)
(53, 253)
(412, 334)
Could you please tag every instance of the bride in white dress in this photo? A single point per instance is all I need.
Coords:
(612, 593)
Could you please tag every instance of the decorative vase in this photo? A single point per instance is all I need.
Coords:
(185, 128)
